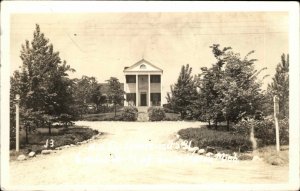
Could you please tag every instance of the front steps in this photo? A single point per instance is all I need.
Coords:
(142, 114)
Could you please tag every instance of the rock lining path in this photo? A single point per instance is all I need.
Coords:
(136, 165)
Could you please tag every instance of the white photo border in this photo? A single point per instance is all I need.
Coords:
(8, 8)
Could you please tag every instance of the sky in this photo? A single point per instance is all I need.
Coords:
(102, 44)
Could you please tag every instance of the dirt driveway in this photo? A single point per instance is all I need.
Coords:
(136, 153)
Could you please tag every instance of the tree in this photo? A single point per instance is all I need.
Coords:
(43, 83)
(115, 93)
(87, 90)
(183, 93)
(209, 104)
(229, 90)
(242, 96)
(280, 85)
(96, 96)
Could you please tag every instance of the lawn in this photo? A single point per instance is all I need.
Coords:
(230, 141)
(101, 116)
(271, 156)
(221, 140)
(59, 137)
(172, 117)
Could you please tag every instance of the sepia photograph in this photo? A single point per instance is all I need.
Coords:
(139, 96)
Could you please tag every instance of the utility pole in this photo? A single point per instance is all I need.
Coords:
(17, 103)
(276, 112)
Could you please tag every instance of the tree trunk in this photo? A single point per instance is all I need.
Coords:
(115, 110)
(26, 134)
(49, 128)
(216, 125)
(209, 126)
(227, 125)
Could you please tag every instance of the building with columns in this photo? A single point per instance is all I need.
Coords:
(143, 84)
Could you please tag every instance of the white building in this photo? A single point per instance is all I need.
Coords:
(143, 84)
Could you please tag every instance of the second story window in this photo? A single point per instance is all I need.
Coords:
(130, 79)
(155, 78)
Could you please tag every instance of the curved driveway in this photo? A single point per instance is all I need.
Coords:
(137, 153)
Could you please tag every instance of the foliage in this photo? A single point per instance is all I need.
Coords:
(203, 137)
(229, 90)
(115, 93)
(156, 114)
(183, 93)
(280, 87)
(63, 137)
(42, 83)
(87, 91)
(130, 113)
(264, 130)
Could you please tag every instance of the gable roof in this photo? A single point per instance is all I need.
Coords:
(139, 63)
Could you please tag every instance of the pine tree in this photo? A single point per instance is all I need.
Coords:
(183, 93)
(280, 85)
(43, 83)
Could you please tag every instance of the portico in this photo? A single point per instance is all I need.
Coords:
(143, 85)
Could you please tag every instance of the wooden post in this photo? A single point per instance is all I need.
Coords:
(17, 100)
(276, 112)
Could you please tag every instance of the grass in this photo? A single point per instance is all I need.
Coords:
(63, 137)
(271, 156)
(221, 140)
(229, 141)
(172, 117)
(101, 116)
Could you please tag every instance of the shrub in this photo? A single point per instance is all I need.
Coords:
(129, 113)
(156, 114)
(264, 130)
(203, 137)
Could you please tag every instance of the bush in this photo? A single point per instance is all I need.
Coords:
(129, 113)
(203, 137)
(156, 114)
(264, 130)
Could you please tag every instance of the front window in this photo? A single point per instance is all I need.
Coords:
(131, 99)
(130, 79)
(155, 78)
(155, 99)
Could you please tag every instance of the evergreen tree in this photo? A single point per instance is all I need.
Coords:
(280, 85)
(183, 93)
(43, 83)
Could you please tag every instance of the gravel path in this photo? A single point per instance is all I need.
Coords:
(135, 153)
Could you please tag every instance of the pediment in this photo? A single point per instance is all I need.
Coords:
(143, 66)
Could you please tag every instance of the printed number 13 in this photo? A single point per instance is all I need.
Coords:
(51, 143)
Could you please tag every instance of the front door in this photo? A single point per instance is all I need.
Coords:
(143, 99)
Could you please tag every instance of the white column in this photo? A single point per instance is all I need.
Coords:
(160, 90)
(136, 90)
(149, 101)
